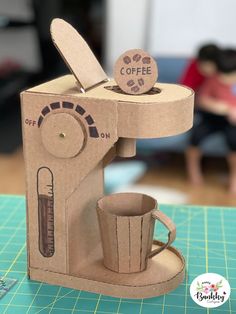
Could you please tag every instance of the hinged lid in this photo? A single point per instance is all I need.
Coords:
(77, 54)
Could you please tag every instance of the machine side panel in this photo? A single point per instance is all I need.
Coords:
(51, 180)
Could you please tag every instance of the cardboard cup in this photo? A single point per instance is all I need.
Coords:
(126, 223)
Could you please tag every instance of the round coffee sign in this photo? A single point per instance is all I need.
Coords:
(135, 72)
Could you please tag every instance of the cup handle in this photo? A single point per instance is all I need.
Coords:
(168, 223)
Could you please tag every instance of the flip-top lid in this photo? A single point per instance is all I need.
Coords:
(77, 54)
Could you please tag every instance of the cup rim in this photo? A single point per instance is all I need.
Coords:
(99, 207)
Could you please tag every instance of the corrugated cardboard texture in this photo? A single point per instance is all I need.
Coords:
(135, 72)
(68, 139)
(66, 85)
(126, 226)
(77, 54)
(81, 220)
(164, 273)
(67, 173)
(167, 113)
(63, 135)
(126, 147)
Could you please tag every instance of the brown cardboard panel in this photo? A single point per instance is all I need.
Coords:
(77, 54)
(123, 244)
(126, 147)
(164, 273)
(63, 135)
(68, 138)
(160, 268)
(147, 221)
(68, 173)
(154, 119)
(81, 219)
(111, 154)
(108, 231)
(135, 72)
(66, 85)
(35, 186)
(135, 244)
(167, 113)
(101, 135)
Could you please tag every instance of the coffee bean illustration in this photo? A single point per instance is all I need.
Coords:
(135, 72)
(127, 59)
(135, 89)
(137, 57)
(141, 82)
(130, 83)
(146, 60)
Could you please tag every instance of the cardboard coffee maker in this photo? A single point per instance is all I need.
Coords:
(73, 127)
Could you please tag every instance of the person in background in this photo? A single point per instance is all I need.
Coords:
(217, 100)
(201, 67)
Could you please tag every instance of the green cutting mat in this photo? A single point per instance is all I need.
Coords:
(206, 237)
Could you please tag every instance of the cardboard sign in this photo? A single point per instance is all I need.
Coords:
(135, 72)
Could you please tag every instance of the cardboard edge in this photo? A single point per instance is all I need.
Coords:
(112, 82)
(118, 291)
(125, 108)
(63, 58)
(104, 84)
(22, 94)
(32, 88)
(61, 25)
(111, 289)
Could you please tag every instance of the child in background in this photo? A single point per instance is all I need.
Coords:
(200, 68)
(217, 99)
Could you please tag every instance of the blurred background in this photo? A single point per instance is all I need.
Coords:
(171, 31)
